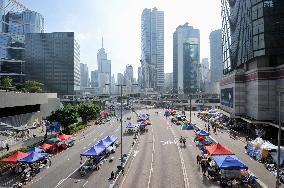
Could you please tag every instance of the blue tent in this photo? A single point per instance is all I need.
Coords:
(130, 126)
(93, 151)
(33, 157)
(143, 116)
(36, 150)
(142, 123)
(202, 133)
(189, 127)
(229, 162)
(111, 139)
(103, 144)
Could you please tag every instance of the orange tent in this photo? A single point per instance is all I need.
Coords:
(64, 137)
(218, 149)
(46, 146)
(15, 157)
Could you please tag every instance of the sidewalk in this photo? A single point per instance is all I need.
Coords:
(237, 146)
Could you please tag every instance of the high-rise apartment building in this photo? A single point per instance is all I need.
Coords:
(253, 59)
(54, 60)
(186, 58)
(84, 75)
(95, 78)
(16, 21)
(152, 54)
(129, 72)
(216, 67)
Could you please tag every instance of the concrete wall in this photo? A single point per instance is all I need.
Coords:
(11, 99)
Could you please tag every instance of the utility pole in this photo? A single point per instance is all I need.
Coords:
(279, 142)
(190, 108)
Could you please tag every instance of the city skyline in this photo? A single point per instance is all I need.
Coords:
(112, 16)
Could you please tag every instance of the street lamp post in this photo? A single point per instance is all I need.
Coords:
(279, 142)
(190, 108)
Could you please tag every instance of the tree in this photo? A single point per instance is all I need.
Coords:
(87, 111)
(66, 116)
(7, 82)
(33, 86)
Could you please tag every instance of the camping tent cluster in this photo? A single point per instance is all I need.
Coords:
(100, 148)
(143, 117)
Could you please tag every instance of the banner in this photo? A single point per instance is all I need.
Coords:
(227, 97)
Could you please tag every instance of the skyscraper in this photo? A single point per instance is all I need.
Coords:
(168, 82)
(216, 55)
(84, 75)
(152, 54)
(95, 78)
(16, 21)
(54, 60)
(129, 72)
(253, 59)
(204, 69)
(104, 69)
(186, 58)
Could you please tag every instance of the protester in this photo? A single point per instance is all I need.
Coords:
(7, 147)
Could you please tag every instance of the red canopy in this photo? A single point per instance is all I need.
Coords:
(46, 146)
(104, 113)
(15, 157)
(64, 136)
(218, 149)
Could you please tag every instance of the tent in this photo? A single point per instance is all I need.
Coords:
(143, 116)
(64, 137)
(104, 113)
(33, 157)
(15, 157)
(229, 162)
(190, 127)
(93, 151)
(53, 140)
(111, 139)
(103, 144)
(218, 149)
(147, 122)
(46, 146)
(130, 126)
(142, 123)
(37, 150)
(202, 133)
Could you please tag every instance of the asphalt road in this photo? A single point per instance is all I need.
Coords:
(64, 169)
(160, 161)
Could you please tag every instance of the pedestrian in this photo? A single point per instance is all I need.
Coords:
(203, 164)
(180, 140)
(184, 141)
(7, 147)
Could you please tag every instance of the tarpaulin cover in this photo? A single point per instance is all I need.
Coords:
(110, 139)
(33, 157)
(229, 162)
(37, 150)
(64, 137)
(53, 140)
(15, 157)
(143, 116)
(142, 123)
(93, 151)
(130, 126)
(218, 149)
(46, 146)
(202, 133)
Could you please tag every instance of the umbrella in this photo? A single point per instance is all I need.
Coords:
(53, 140)
(229, 162)
(15, 157)
(33, 157)
(37, 150)
(64, 137)
(46, 146)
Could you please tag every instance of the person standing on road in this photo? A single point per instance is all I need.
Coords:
(7, 147)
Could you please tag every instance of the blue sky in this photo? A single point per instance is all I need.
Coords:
(118, 21)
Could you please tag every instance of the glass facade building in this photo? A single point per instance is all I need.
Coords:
(54, 60)
(16, 21)
(250, 29)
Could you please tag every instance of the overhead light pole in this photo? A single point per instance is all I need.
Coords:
(279, 142)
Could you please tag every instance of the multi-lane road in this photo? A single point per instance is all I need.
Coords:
(157, 159)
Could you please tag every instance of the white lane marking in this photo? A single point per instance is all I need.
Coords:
(101, 133)
(85, 183)
(153, 151)
(185, 178)
(135, 152)
(61, 181)
(89, 144)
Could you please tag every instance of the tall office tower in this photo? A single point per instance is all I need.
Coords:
(204, 69)
(152, 54)
(129, 72)
(216, 55)
(113, 84)
(186, 58)
(168, 82)
(140, 77)
(119, 81)
(104, 69)
(54, 60)
(95, 78)
(84, 75)
(253, 59)
(16, 21)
